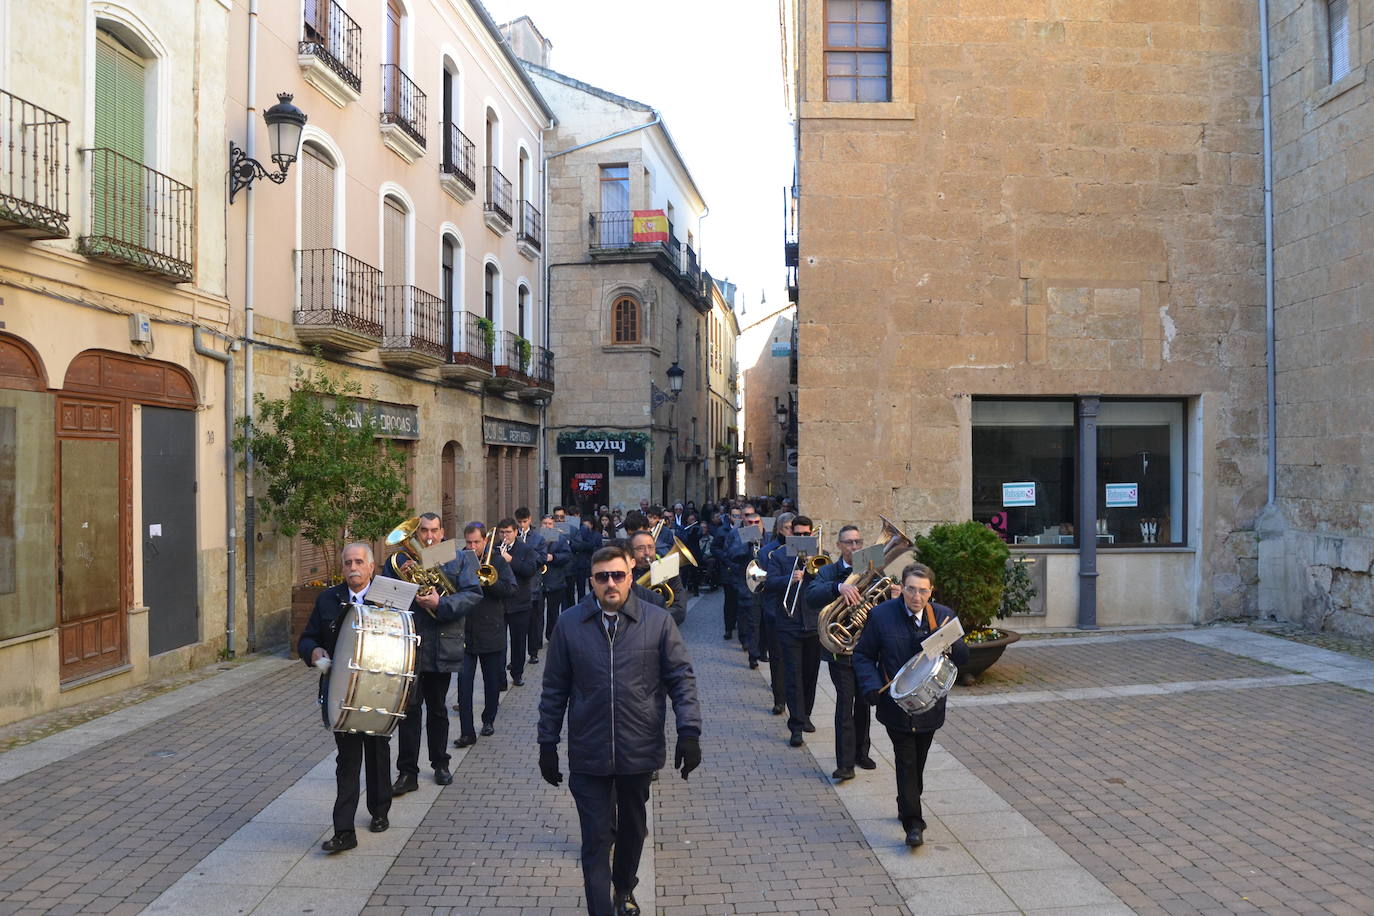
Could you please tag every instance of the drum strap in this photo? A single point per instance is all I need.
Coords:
(930, 618)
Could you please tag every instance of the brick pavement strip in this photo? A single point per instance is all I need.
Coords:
(108, 828)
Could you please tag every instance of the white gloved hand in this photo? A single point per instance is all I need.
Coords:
(323, 665)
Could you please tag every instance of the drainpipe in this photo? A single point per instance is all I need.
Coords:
(230, 533)
(657, 119)
(1087, 512)
(249, 503)
(1270, 348)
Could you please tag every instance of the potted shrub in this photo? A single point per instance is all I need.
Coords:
(325, 474)
(971, 569)
(523, 349)
(488, 335)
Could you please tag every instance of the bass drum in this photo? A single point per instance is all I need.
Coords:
(373, 671)
(921, 682)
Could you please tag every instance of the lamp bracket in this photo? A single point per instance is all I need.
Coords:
(243, 171)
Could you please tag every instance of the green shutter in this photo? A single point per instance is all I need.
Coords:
(117, 190)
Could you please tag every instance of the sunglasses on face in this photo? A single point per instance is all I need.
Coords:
(610, 575)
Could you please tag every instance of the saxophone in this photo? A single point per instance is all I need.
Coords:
(840, 623)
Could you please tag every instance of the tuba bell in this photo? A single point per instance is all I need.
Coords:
(402, 540)
(755, 574)
(841, 624)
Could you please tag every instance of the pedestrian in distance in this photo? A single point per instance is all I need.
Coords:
(612, 662)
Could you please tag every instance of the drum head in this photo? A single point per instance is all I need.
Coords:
(913, 674)
(340, 672)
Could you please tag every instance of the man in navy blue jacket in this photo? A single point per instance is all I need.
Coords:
(612, 661)
(798, 638)
(768, 648)
(892, 636)
(524, 562)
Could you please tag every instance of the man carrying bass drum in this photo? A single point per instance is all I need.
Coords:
(893, 634)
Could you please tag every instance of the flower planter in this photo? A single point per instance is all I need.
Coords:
(982, 655)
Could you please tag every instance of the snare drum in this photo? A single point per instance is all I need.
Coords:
(921, 682)
(373, 670)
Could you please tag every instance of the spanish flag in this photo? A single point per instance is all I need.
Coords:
(650, 226)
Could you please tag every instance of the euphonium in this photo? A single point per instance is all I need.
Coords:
(755, 574)
(486, 573)
(663, 589)
(403, 539)
(841, 624)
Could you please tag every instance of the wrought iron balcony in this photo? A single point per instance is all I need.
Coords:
(540, 376)
(140, 218)
(790, 200)
(335, 40)
(531, 226)
(413, 328)
(340, 304)
(470, 360)
(500, 201)
(403, 105)
(34, 170)
(514, 356)
(611, 237)
(460, 158)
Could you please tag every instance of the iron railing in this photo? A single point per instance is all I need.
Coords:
(339, 290)
(512, 356)
(460, 156)
(499, 197)
(34, 189)
(691, 268)
(543, 367)
(613, 229)
(333, 37)
(473, 346)
(531, 224)
(414, 321)
(139, 216)
(403, 104)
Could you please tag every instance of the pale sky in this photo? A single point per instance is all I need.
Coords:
(713, 69)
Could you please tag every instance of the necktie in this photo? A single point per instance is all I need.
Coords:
(610, 625)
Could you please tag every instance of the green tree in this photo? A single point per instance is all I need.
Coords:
(326, 474)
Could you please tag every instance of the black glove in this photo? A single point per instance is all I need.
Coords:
(548, 764)
(871, 698)
(687, 756)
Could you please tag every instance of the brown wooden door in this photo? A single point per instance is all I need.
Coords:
(92, 554)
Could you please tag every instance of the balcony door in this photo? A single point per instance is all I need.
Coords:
(391, 49)
(317, 231)
(615, 205)
(117, 175)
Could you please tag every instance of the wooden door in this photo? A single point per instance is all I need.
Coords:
(92, 554)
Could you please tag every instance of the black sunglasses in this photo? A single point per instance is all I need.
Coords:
(610, 575)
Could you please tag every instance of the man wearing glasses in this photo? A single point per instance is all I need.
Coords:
(738, 553)
(852, 717)
(611, 661)
(894, 634)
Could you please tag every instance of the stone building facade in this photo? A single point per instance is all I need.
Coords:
(767, 389)
(1315, 549)
(628, 300)
(1031, 254)
(112, 274)
(406, 246)
(723, 437)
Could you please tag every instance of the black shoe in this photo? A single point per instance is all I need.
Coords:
(753, 663)
(534, 659)
(625, 904)
(340, 841)
(379, 824)
(487, 729)
(842, 774)
(653, 777)
(765, 658)
(406, 782)
(796, 740)
(867, 763)
(442, 776)
(728, 634)
(808, 728)
(914, 837)
(779, 709)
(465, 741)
(518, 681)
(456, 708)
(504, 686)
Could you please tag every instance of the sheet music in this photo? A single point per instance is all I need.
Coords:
(873, 555)
(391, 593)
(661, 571)
(800, 545)
(936, 643)
(439, 554)
(749, 534)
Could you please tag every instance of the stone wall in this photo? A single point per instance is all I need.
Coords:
(1317, 557)
(1069, 204)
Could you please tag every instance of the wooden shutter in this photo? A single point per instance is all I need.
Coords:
(117, 184)
(312, 563)
(317, 200)
(393, 244)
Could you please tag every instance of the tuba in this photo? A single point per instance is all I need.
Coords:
(403, 540)
(841, 624)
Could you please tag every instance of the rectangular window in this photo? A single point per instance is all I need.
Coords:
(858, 51)
(1338, 36)
(1025, 472)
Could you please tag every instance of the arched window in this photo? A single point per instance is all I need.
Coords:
(395, 245)
(490, 291)
(317, 170)
(522, 303)
(625, 321)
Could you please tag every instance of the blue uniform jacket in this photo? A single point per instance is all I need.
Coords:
(890, 638)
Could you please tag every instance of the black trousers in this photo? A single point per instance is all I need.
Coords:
(801, 659)
(852, 717)
(570, 597)
(731, 609)
(372, 754)
(749, 614)
(611, 810)
(518, 629)
(581, 583)
(553, 606)
(431, 692)
(768, 642)
(910, 750)
(493, 679)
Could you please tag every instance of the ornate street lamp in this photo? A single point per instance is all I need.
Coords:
(285, 122)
